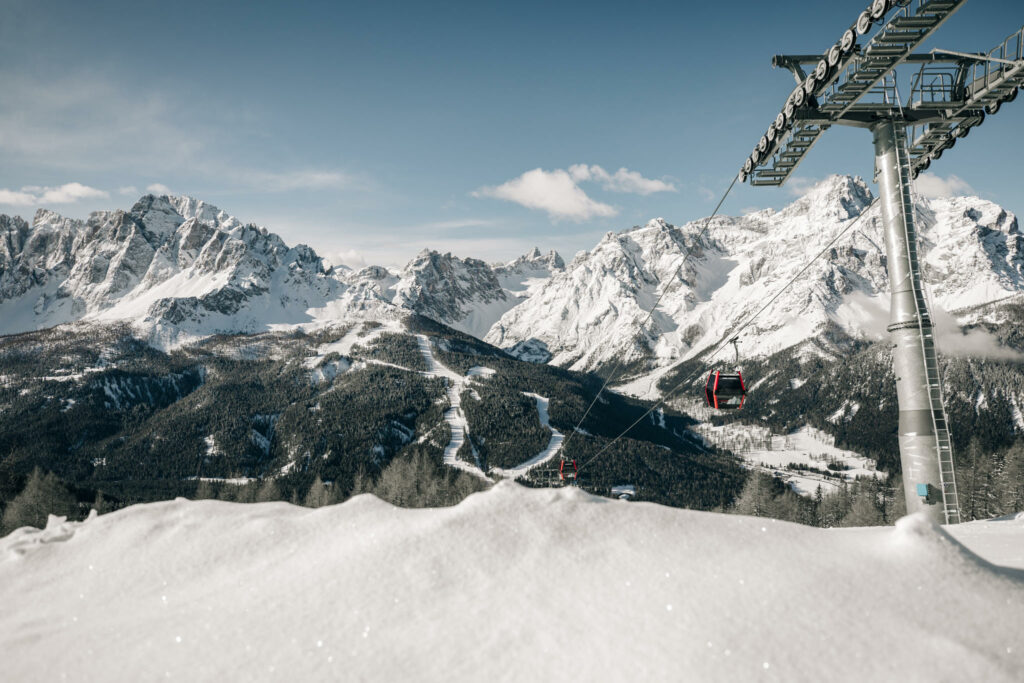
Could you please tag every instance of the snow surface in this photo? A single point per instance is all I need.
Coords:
(761, 449)
(512, 584)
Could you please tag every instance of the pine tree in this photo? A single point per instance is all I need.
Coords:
(864, 511)
(100, 504)
(1013, 496)
(756, 498)
(361, 483)
(246, 493)
(318, 495)
(205, 491)
(43, 495)
(268, 492)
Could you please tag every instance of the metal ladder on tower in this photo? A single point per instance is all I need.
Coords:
(947, 475)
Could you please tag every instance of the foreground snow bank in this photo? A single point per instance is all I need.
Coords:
(513, 584)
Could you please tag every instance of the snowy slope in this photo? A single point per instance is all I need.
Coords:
(512, 584)
(591, 314)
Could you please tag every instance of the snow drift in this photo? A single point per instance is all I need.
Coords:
(513, 584)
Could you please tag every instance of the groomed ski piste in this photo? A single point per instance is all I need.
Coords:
(454, 416)
(459, 426)
(512, 584)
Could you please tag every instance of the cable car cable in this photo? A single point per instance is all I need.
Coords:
(729, 339)
(650, 314)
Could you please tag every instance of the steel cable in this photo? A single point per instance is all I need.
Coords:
(729, 338)
(650, 314)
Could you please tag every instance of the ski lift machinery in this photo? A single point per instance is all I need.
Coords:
(855, 85)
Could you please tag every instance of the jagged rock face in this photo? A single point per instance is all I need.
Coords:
(462, 293)
(594, 308)
(532, 262)
(179, 269)
(174, 265)
(593, 314)
(525, 275)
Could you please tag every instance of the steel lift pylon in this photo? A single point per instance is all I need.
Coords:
(951, 93)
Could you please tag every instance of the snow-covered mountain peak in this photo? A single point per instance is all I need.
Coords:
(463, 293)
(162, 214)
(598, 311)
(836, 198)
(533, 260)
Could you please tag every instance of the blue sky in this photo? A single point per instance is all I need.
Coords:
(371, 130)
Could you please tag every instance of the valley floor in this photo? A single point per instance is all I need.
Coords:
(512, 584)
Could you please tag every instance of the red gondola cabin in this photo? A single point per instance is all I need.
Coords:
(725, 390)
(567, 471)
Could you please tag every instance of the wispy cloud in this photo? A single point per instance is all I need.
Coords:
(87, 123)
(933, 187)
(622, 180)
(158, 188)
(558, 192)
(128, 191)
(459, 224)
(798, 186)
(872, 316)
(953, 340)
(80, 121)
(347, 257)
(552, 191)
(33, 195)
(297, 180)
(16, 198)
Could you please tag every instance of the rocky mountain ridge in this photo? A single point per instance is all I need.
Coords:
(593, 314)
(179, 270)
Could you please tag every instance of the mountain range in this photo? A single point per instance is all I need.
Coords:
(179, 270)
(145, 350)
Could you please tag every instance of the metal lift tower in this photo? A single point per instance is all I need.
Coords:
(855, 85)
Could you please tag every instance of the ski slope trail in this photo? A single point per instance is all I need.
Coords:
(363, 591)
(456, 419)
(549, 452)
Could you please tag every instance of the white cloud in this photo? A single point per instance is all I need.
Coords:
(871, 314)
(158, 188)
(347, 257)
(953, 340)
(623, 180)
(798, 186)
(552, 191)
(67, 193)
(932, 186)
(15, 198)
(128, 191)
(70, 193)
